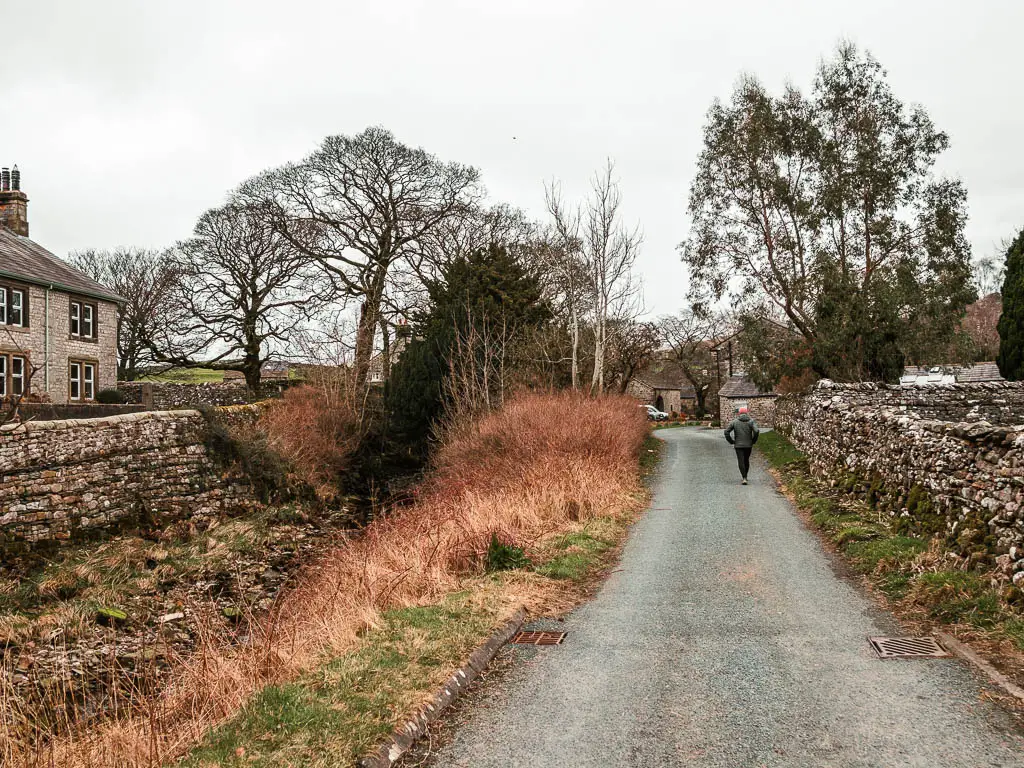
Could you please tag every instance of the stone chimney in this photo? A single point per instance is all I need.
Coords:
(13, 202)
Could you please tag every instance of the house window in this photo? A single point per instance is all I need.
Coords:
(13, 375)
(82, 322)
(16, 312)
(88, 381)
(13, 306)
(17, 376)
(81, 381)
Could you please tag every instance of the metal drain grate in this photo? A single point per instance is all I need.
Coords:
(539, 638)
(907, 648)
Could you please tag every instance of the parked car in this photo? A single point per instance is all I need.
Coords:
(654, 414)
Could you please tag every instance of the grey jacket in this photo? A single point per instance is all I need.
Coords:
(742, 432)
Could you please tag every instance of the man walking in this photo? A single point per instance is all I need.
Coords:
(742, 433)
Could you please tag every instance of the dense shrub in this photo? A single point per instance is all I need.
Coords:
(110, 397)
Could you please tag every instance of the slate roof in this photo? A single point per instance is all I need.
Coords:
(742, 386)
(25, 260)
(961, 374)
(666, 374)
(980, 372)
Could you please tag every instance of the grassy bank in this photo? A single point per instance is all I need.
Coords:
(547, 485)
(921, 579)
(338, 712)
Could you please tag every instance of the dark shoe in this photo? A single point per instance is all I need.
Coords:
(744, 481)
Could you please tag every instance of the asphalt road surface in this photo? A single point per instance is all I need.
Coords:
(726, 639)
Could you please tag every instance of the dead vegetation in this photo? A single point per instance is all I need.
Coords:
(542, 466)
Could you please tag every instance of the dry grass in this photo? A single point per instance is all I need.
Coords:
(315, 429)
(543, 464)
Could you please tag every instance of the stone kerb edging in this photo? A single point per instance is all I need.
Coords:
(402, 739)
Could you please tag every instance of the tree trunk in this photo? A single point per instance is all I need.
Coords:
(575, 348)
(369, 315)
(385, 350)
(701, 401)
(597, 380)
(251, 369)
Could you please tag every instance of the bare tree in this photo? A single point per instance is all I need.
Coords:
(609, 251)
(479, 365)
(691, 336)
(474, 228)
(564, 262)
(989, 271)
(243, 290)
(145, 279)
(358, 206)
(631, 345)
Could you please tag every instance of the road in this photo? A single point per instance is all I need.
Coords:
(727, 639)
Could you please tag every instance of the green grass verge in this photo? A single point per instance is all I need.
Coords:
(650, 455)
(575, 555)
(338, 713)
(874, 547)
(778, 450)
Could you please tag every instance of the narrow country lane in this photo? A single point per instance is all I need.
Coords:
(726, 639)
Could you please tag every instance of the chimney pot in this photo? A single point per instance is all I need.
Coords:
(13, 202)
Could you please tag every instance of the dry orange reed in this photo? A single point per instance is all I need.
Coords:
(541, 463)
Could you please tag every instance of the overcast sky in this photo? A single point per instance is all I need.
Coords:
(128, 119)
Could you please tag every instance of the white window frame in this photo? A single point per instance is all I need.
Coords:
(88, 381)
(18, 366)
(3, 376)
(74, 380)
(3, 306)
(88, 319)
(11, 293)
(75, 323)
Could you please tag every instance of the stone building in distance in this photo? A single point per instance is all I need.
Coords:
(58, 327)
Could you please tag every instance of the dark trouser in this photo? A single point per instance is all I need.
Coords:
(743, 457)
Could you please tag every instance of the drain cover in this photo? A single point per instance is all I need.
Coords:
(907, 647)
(539, 638)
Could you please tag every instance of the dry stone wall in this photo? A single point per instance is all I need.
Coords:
(997, 402)
(169, 396)
(64, 480)
(960, 474)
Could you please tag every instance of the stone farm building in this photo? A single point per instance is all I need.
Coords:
(663, 384)
(737, 389)
(58, 328)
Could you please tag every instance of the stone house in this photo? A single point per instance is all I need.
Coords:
(58, 327)
(740, 391)
(663, 384)
(736, 388)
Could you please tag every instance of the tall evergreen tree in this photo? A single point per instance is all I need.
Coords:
(482, 301)
(1011, 323)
